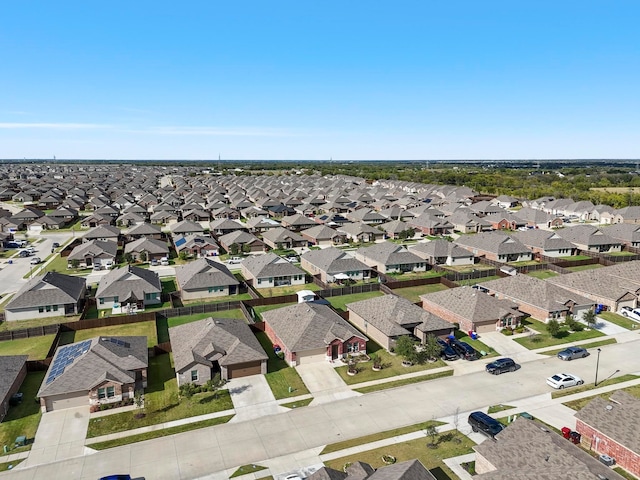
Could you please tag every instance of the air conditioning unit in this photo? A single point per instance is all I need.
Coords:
(607, 460)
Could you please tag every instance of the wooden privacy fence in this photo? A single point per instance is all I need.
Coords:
(196, 309)
(29, 332)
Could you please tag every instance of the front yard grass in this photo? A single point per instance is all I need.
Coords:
(145, 329)
(284, 381)
(298, 403)
(544, 339)
(9, 465)
(24, 418)
(160, 433)
(591, 386)
(339, 302)
(498, 408)
(36, 347)
(581, 402)
(478, 345)
(162, 403)
(392, 367)
(245, 469)
(413, 293)
(404, 381)
(543, 274)
(619, 320)
(374, 437)
(431, 458)
(587, 346)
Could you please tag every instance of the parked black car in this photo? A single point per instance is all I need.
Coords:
(447, 353)
(501, 365)
(463, 349)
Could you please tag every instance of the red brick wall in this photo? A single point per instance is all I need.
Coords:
(465, 324)
(600, 443)
(288, 356)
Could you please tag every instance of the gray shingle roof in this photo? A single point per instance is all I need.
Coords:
(186, 226)
(122, 282)
(496, 242)
(391, 314)
(150, 245)
(10, 366)
(281, 234)
(270, 265)
(586, 235)
(389, 253)
(229, 340)
(103, 360)
(543, 239)
(472, 304)
(308, 326)
(203, 273)
(321, 232)
(333, 260)
(94, 248)
(102, 231)
(439, 248)
(144, 229)
(52, 288)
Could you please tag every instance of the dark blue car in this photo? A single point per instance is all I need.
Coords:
(448, 353)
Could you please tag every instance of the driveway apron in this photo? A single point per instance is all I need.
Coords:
(324, 383)
(252, 398)
(61, 435)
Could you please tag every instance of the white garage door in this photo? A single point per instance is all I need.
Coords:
(60, 402)
(627, 303)
(312, 356)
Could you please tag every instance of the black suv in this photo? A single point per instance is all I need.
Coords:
(448, 353)
(463, 349)
(501, 365)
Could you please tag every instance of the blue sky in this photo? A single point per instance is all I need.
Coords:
(318, 80)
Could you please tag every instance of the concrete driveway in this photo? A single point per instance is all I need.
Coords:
(60, 436)
(252, 398)
(324, 383)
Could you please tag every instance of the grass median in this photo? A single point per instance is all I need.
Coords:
(404, 381)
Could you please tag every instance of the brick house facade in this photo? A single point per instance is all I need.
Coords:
(592, 439)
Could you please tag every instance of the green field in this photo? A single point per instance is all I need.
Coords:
(544, 339)
(36, 347)
(339, 302)
(413, 293)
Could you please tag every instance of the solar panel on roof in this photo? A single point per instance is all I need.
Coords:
(181, 241)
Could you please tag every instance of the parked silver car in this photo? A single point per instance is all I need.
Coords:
(570, 353)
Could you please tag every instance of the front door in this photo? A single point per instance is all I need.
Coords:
(334, 351)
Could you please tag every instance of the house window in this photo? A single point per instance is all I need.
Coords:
(102, 393)
(111, 392)
(48, 308)
(55, 308)
(101, 301)
(211, 289)
(115, 299)
(353, 347)
(41, 309)
(259, 281)
(194, 375)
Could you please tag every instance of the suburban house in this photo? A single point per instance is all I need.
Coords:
(186, 228)
(505, 201)
(468, 221)
(333, 264)
(626, 233)
(496, 246)
(388, 317)
(616, 286)
(132, 286)
(409, 470)
(540, 299)
(95, 220)
(548, 455)
(146, 230)
(311, 333)
(472, 309)
(224, 346)
(14, 371)
(280, 238)
(224, 226)
(323, 236)
(95, 372)
(611, 428)
(590, 238)
(389, 257)
(152, 249)
(244, 242)
(430, 224)
(205, 278)
(538, 219)
(196, 246)
(261, 224)
(504, 221)
(270, 270)
(103, 233)
(94, 252)
(50, 295)
(545, 242)
(360, 232)
(297, 222)
(442, 252)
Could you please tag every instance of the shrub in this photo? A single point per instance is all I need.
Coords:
(507, 331)
(553, 327)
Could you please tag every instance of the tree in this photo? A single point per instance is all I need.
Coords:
(432, 432)
(432, 348)
(183, 255)
(233, 249)
(143, 256)
(406, 348)
(128, 257)
(590, 318)
(215, 384)
(75, 263)
(553, 327)
(246, 248)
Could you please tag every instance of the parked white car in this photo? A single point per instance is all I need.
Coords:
(562, 380)
(632, 313)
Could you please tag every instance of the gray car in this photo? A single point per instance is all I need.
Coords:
(572, 352)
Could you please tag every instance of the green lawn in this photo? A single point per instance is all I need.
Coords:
(23, 419)
(478, 345)
(619, 320)
(175, 321)
(374, 437)
(608, 341)
(146, 329)
(36, 347)
(414, 275)
(413, 293)
(5, 466)
(59, 264)
(227, 298)
(392, 367)
(168, 284)
(161, 402)
(581, 402)
(498, 408)
(160, 433)
(340, 301)
(431, 458)
(297, 403)
(543, 339)
(404, 381)
(286, 290)
(245, 469)
(584, 267)
(284, 381)
(543, 274)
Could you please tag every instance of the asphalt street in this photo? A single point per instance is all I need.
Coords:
(200, 453)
